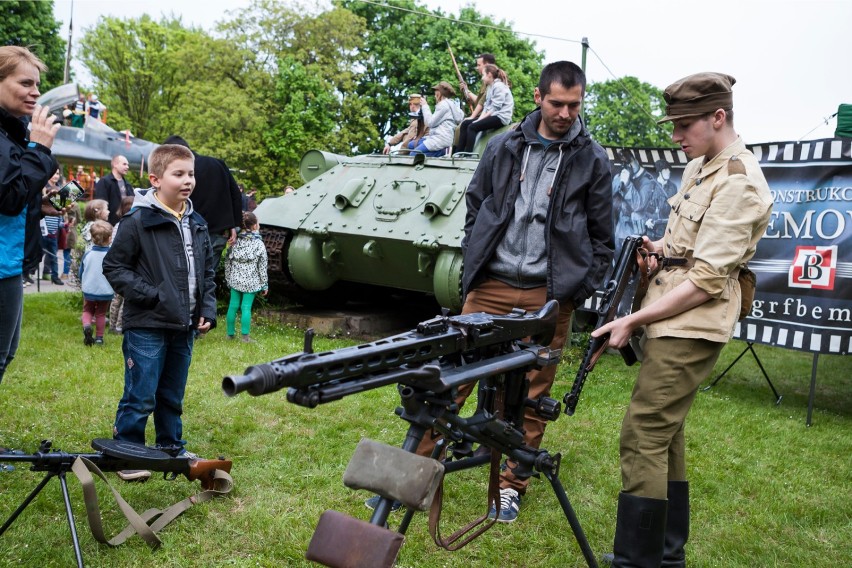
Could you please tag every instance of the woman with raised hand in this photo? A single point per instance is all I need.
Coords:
(26, 164)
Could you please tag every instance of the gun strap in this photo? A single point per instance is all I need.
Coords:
(138, 524)
(467, 533)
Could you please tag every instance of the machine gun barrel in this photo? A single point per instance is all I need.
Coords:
(393, 359)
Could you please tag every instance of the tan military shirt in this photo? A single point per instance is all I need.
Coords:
(717, 218)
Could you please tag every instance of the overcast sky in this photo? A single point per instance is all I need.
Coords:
(791, 58)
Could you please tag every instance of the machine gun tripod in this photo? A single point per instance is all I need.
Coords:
(428, 365)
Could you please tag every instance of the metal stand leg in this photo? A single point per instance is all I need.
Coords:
(572, 518)
(749, 347)
(812, 392)
(70, 513)
(78, 553)
(26, 502)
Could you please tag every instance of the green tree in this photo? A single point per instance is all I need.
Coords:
(140, 67)
(405, 50)
(306, 118)
(31, 24)
(301, 37)
(623, 112)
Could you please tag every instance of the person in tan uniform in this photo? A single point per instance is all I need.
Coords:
(689, 312)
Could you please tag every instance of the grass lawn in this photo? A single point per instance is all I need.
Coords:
(766, 490)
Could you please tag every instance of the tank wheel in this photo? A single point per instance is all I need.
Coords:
(281, 282)
(447, 280)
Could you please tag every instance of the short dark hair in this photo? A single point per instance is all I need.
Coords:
(126, 205)
(565, 73)
(487, 58)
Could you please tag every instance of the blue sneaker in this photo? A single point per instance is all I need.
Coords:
(510, 504)
(373, 502)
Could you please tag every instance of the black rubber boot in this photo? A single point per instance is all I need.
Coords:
(639, 532)
(677, 525)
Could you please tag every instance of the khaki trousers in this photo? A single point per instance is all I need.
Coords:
(652, 442)
(495, 297)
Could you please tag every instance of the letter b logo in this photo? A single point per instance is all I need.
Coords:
(813, 267)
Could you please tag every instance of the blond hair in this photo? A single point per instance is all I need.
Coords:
(101, 232)
(93, 209)
(11, 56)
(164, 155)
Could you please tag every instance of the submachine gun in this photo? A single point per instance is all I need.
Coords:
(428, 365)
(627, 283)
(115, 455)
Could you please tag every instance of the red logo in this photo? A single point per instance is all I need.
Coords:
(814, 267)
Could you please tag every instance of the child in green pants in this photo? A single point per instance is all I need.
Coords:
(245, 273)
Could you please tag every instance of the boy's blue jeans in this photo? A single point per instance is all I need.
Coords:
(156, 365)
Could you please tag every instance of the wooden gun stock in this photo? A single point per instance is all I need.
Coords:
(205, 471)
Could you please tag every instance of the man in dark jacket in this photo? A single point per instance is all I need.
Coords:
(538, 228)
(113, 187)
(216, 198)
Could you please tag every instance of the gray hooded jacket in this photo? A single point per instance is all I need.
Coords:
(163, 267)
(540, 215)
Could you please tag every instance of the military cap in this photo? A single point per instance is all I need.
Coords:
(698, 94)
(446, 89)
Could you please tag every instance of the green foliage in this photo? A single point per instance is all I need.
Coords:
(407, 52)
(623, 112)
(303, 57)
(306, 112)
(31, 24)
(766, 491)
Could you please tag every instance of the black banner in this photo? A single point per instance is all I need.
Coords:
(803, 263)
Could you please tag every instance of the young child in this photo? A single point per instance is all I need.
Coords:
(162, 263)
(97, 293)
(117, 304)
(96, 209)
(245, 273)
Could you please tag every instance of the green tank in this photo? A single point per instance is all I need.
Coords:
(369, 223)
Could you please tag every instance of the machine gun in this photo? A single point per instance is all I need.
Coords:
(114, 455)
(629, 275)
(428, 365)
